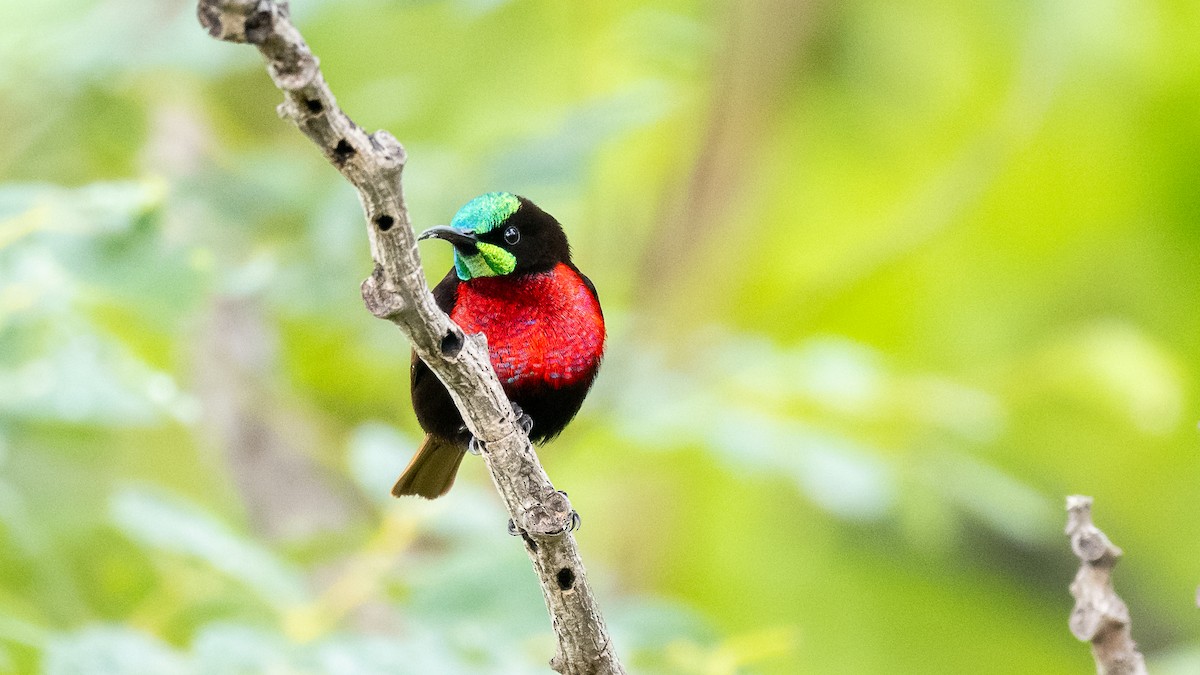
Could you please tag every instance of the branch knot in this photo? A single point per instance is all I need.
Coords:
(389, 149)
(381, 299)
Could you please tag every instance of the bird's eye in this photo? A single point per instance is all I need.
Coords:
(512, 235)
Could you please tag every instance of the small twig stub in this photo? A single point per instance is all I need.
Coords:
(1099, 616)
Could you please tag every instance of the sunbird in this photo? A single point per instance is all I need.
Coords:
(513, 281)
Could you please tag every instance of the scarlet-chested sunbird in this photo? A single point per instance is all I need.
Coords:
(513, 281)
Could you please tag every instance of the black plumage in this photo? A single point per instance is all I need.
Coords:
(541, 250)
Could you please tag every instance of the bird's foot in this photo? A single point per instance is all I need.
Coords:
(576, 520)
(573, 524)
(552, 517)
(475, 446)
(573, 521)
(576, 523)
(525, 421)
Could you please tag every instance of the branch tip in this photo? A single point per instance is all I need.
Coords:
(1099, 615)
(236, 20)
(392, 151)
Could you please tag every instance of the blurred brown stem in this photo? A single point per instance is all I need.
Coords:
(265, 446)
(397, 291)
(763, 49)
(1100, 616)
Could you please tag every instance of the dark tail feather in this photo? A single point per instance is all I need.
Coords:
(431, 471)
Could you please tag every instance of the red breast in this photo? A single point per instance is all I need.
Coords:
(542, 329)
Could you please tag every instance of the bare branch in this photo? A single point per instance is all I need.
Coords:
(397, 291)
(1099, 615)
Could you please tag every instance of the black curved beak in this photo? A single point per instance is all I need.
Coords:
(463, 241)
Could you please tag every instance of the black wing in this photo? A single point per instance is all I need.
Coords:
(446, 292)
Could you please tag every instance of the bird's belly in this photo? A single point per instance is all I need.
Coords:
(544, 356)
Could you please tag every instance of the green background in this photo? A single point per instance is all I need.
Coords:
(884, 281)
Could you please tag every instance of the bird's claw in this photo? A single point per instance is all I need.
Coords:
(576, 521)
(525, 421)
(475, 446)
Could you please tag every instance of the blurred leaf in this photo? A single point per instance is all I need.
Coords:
(19, 632)
(1003, 502)
(94, 380)
(1117, 365)
(646, 629)
(227, 648)
(111, 650)
(371, 655)
(838, 474)
(96, 209)
(562, 156)
(735, 653)
(1180, 661)
(173, 526)
(377, 455)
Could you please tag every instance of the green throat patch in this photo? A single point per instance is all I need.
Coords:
(491, 261)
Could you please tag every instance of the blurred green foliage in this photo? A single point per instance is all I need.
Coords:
(884, 282)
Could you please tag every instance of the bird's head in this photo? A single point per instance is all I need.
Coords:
(500, 233)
